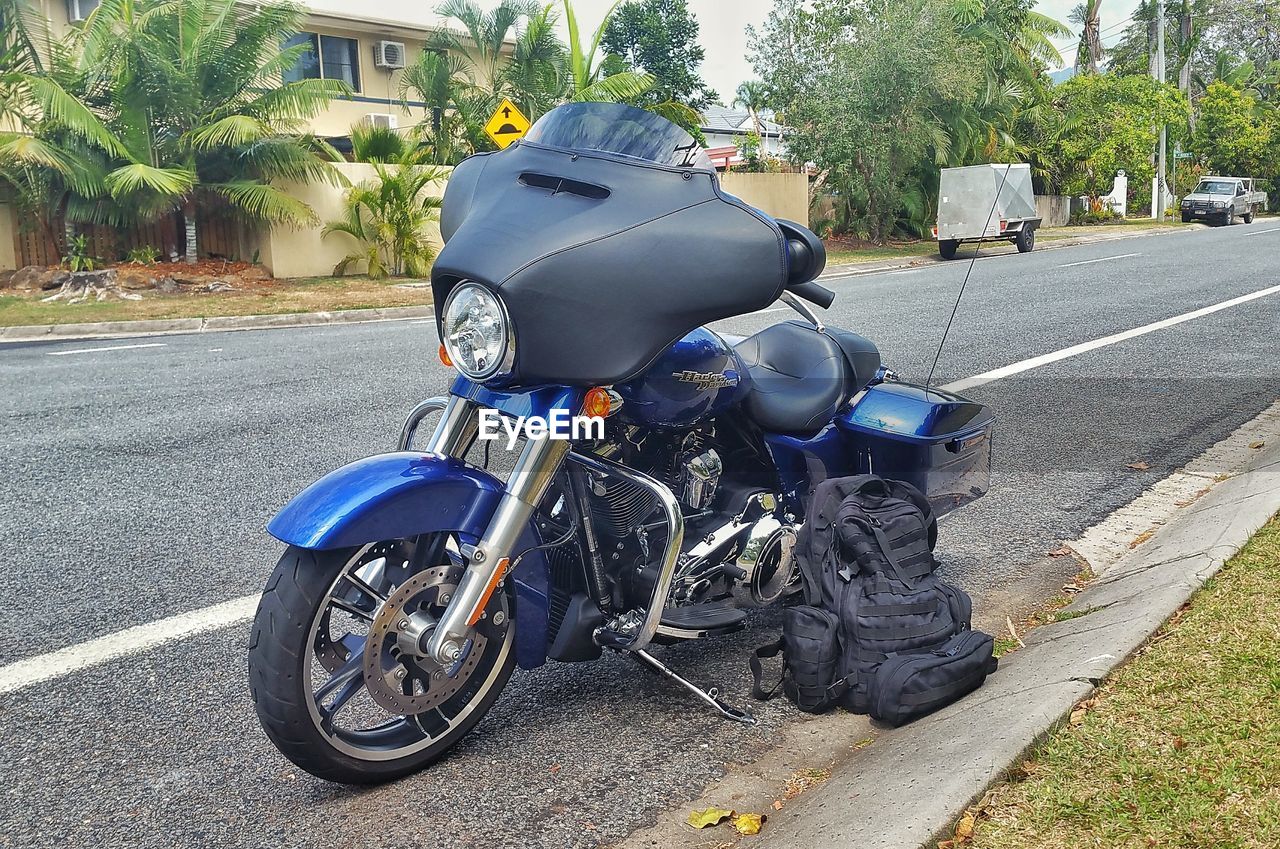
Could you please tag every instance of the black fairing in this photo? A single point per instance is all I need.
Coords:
(603, 262)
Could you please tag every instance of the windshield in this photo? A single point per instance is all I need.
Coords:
(621, 130)
(1216, 187)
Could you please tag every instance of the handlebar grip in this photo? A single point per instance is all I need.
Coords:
(813, 293)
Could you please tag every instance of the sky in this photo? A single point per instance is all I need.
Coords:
(723, 27)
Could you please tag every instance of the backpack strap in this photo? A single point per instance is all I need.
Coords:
(757, 672)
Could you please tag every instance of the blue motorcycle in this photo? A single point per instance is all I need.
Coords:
(662, 470)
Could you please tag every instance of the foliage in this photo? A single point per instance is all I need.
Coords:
(1114, 127)
(660, 37)
(1089, 50)
(754, 158)
(376, 144)
(78, 257)
(388, 217)
(1234, 134)
(143, 255)
(753, 96)
(590, 77)
(185, 100)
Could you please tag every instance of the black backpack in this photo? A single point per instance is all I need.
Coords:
(878, 632)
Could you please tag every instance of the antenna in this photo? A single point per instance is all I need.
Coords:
(999, 189)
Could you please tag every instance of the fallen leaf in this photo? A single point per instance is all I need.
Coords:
(708, 817)
(964, 828)
(777, 804)
(1063, 550)
(1077, 716)
(1179, 743)
(749, 823)
(555, 768)
(1140, 465)
(1013, 632)
(1256, 445)
(1142, 537)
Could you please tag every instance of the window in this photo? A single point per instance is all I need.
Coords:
(327, 57)
(78, 10)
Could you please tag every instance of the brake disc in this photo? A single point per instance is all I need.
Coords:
(398, 555)
(409, 683)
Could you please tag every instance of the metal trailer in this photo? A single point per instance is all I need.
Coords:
(986, 203)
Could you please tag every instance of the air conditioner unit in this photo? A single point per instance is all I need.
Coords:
(79, 10)
(388, 54)
(382, 120)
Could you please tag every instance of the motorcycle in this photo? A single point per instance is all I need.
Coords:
(580, 268)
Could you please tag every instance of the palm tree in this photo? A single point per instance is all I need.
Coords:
(589, 78)
(194, 107)
(753, 96)
(484, 35)
(536, 78)
(1089, 51)
(388, 217)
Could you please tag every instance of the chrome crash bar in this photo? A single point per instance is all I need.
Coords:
(420, 412)
(633, 630)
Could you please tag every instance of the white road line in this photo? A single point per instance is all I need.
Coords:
(1091, 261)
(1260, 232)
(1085, 347)
(107, 348)
(140, 638)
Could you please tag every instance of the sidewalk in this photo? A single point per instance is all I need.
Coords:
(910, 785)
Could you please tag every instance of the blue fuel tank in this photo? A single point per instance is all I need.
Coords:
(696, 378)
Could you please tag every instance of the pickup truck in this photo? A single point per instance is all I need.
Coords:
(1223, 200)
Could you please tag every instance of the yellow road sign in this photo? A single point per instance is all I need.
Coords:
(507, 125)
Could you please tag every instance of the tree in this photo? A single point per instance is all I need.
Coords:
(590, 78)
(660, 37)
(867, 119)
(1115, 122)
(388, 216)
(482, 42)
(187, 100)
(753, 96)
(456, 108)
(1089, 51)
(1234, 134)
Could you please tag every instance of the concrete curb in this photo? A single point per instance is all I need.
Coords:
(214, 324)
(926, 774)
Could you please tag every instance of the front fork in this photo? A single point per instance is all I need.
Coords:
(488, 561)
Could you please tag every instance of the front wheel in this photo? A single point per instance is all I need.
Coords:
(1229, 217)
(336, 664)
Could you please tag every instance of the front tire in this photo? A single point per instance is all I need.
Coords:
(290, 652)
(1229, 217)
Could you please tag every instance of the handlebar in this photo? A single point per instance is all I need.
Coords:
(814, 293)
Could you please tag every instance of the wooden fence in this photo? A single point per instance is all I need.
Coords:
(219, 235)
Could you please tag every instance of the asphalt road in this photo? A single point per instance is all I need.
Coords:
(137, 482)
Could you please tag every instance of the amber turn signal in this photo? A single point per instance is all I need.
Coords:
(444, 356)
(597, 405)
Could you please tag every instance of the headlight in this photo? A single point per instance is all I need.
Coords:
(1220, 204)
(477, 333)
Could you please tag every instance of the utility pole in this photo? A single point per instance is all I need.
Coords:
(1158, 204)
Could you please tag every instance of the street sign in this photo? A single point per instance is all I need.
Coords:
(1183, 154)
(507, 124)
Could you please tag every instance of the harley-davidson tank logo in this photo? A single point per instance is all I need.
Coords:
(708, 379)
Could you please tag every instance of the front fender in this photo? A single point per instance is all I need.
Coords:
(407, 493)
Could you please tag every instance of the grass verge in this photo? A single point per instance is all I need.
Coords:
(845, 251)
(268, 297)
(1180, 748)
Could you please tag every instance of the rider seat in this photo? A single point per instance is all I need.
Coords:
(801, 377)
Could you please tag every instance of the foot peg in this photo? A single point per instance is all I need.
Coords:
(710, 697)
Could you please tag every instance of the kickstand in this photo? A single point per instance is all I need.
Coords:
(711, 697)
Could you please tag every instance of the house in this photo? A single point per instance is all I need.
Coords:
(365, 44)
(725, 128)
